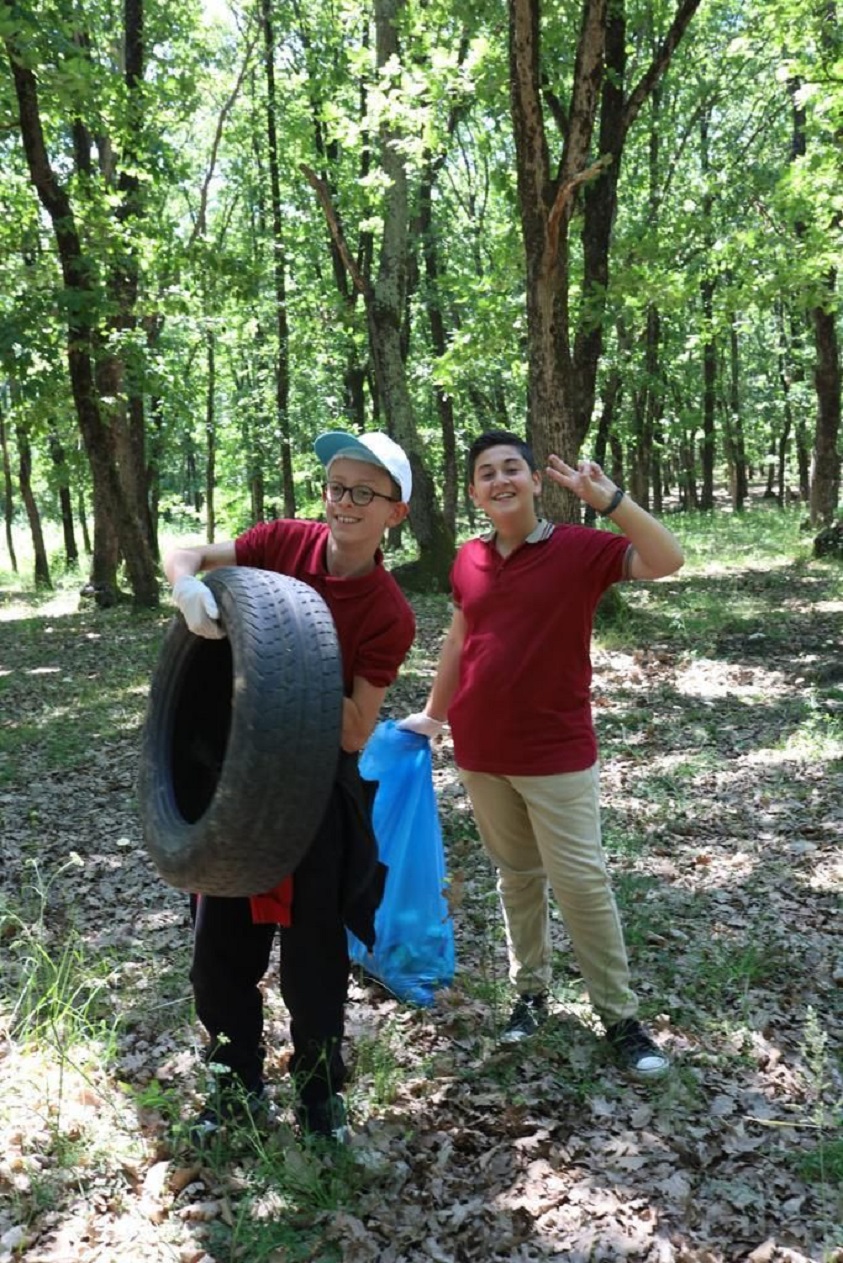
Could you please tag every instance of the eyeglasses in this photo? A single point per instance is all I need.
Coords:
(360, 495)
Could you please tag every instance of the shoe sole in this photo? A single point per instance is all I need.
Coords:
(646, 1075)
(516, 1037)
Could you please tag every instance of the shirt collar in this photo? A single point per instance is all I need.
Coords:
(542, 531)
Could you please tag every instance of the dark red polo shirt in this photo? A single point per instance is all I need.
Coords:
(375, 624)
(522, 706)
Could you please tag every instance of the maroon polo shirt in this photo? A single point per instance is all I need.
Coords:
(522, 706)
(375, 624)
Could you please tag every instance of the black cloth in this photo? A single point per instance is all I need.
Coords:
(338, 884)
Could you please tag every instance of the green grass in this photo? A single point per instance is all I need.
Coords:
(61, 707)
(732, 563)
(292, 1185)
(61, 998)
(378, 1064)
(822, 1163)
(763, 533)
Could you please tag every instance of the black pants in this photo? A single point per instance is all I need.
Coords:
(231, 956)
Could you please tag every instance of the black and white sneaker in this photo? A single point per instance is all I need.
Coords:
(529, 1012)
(230, 1111)
(635, 1051)
(325, 1120)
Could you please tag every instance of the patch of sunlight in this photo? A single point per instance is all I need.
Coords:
(58, 606)
(772, 755)
(740, 565)
(689, 764)
(709, 678)
(827, 877)
(815, 740)
(61, 1092)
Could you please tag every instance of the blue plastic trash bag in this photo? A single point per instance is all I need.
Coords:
(414, 946)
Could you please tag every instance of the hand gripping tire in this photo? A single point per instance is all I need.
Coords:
(242, 737)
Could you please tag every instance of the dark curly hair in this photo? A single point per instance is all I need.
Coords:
(498, 438)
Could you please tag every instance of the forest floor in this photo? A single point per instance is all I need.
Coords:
(719, 705)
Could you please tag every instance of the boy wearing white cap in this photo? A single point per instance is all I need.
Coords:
(367, 489)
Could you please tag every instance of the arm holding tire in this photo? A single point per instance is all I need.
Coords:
(191, 595)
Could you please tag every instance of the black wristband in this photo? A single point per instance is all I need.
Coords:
(613, 503)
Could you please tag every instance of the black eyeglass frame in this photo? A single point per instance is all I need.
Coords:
(368, 494)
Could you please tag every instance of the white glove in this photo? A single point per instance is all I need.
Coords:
(422, 723)
(199, 607)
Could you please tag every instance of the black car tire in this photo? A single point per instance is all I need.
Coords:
(242, 737)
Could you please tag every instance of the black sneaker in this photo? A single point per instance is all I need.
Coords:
(230, 1111)
(326, 1120)
(526, 1018)
(635, 1051)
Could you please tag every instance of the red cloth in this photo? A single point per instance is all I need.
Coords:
(522, 706)
(275, 907)
(375, 624)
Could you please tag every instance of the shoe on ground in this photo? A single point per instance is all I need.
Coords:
(529, 1012)
(229, 1111)
(635, 1051)
(325, 1120)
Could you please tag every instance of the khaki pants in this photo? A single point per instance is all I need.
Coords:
(546, 829)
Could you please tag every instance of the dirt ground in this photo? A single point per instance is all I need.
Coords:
(723, 813)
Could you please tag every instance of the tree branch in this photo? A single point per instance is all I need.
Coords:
(564, 196)
(660, 62)
(585, 90)
(556, 107)
(334, 227)
(201, 217)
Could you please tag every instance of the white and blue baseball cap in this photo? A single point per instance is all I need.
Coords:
(375, 448)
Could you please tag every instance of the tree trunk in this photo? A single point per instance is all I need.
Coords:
(124, 415)
(709, 396)
(824, 490)
(825, 461)
(8, 502)
(83, 522)
(562, 363)
(355, 374)
(612, 392)
(80, 286)
(42, 568)
(385, 305)
(279, 265)
(733, 429)
(444, 402)
(787, 426)
(384, 309)
(554, 403)
(210, 441)
(642, 474)
(153, 467)
(687, 471)
(71, 552)
(709, 346)
(803, 461)
(652, 360)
